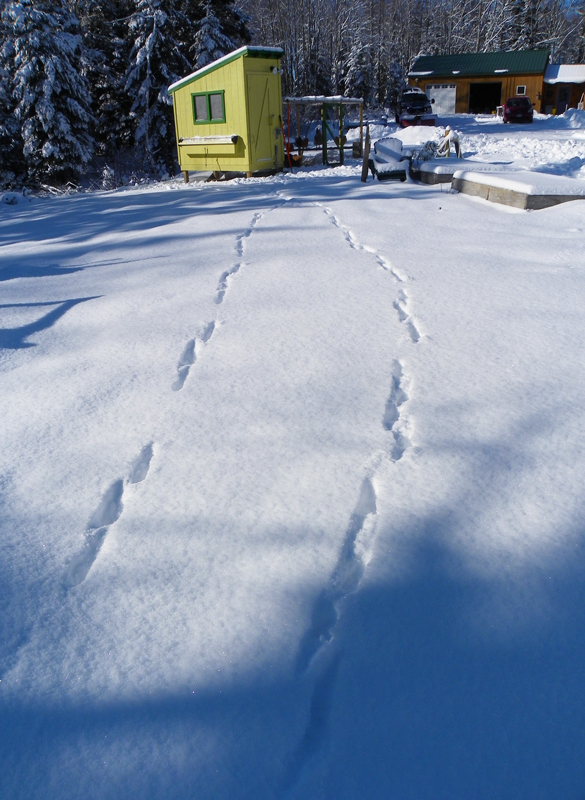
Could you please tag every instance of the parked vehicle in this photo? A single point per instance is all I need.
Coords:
(414, 108)
(518, 109)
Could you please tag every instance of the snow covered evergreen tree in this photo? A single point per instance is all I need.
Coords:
(211, 42)
(52, 98)
(105, 55)
(359, 76)
(11, 160)
(157, 59)
(396, 84)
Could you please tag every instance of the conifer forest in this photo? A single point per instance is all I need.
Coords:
(84, 83)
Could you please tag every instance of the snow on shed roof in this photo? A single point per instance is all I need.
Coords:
(565, 73)
(519, 62)
(258, 52)
(318, 99)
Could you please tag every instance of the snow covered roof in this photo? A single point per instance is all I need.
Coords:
(317, 99)
(255, 51)
(565, 73)
(519, 62)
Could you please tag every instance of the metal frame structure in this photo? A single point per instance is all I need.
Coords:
(336, 102)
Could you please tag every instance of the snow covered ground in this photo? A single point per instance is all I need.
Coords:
(290, 488)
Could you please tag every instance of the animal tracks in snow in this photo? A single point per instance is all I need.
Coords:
(354, 557)
(223, 284)
(401, 306)
(401, 303)
(107, 512)
(355, 245)
(141, 465)
(226, 276)
(189, 355)
(247, 233)
(184, 364)
(393, 420)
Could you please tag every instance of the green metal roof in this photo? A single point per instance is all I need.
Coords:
(516, 62)
(247, 50)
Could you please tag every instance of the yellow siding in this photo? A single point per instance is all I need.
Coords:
(264, 110)
(235, 79)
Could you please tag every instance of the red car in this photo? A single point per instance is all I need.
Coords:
(518, 109)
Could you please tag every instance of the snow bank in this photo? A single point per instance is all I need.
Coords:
(532, 183)
(13, 199)
(572, 118)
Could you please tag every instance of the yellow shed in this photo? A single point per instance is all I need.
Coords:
(228, 114)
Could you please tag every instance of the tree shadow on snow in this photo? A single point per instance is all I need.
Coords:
(441, 681)
(15, 338)
(78, 218)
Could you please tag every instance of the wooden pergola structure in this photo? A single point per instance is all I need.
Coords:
(335, 102)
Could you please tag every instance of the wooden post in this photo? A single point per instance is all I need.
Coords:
(186, 175)
(324, 123)
(366, 155)
(361, 128)
(341, 153)
(248, 174)
(298, 110)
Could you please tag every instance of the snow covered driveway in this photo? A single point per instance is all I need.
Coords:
(291, 494)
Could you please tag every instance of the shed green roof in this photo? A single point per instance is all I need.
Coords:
(516, 62)
(247, 50)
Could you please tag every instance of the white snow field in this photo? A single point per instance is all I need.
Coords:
(291, 488)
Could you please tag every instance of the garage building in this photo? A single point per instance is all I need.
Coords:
(477, 83)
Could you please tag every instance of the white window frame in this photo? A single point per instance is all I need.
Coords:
(521, 90)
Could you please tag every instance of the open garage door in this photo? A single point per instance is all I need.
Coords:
(484, 97)
(444, 95)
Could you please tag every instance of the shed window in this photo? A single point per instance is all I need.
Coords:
(216, 106)
(521, 90)
(208, 107)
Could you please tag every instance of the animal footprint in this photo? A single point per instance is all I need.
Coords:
(346, 577)
(247, 233)
(392, 419)
(223, 284)
(412, 331)
(397, 397)
(189, 356)
(401, 306)
(184, 364)
(207, 331)
(141, 465)
(107, 512)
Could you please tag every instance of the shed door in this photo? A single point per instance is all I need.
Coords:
(444, 96)
(261, 136)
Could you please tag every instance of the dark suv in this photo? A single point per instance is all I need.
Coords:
(518, 109)
(414, 108)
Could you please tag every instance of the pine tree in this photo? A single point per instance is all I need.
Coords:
(11, 161)
(157, 59)
(359, 77)
(52, 99)
(396, 84)
(105, 55)
(211, 42)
